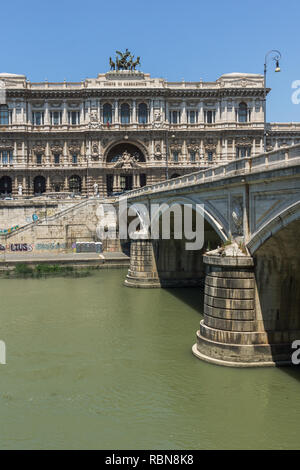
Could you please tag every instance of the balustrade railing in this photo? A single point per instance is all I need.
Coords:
(266, 161)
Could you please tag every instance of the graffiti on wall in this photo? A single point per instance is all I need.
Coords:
(40, 214)
(50, 246)
(17, 247)
(10, 229)
(28, 247)
(32, 218)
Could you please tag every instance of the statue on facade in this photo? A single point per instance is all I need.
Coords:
(124, 61)
(20, 190)
(96, 189)
(127, 161)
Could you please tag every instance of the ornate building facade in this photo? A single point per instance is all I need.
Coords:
(125, 129)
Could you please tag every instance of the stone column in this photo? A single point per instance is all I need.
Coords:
(230, 333)
(24, 184)
(253, 147)
(142, 271)
(48, 188)
(64, 114)
(65, 154)
(151, 111)
(47, 116)
(183, 113)
(115, 182)
(47, 154)
(116, 113)
(81, 118)
(66, 184)
(134, 112)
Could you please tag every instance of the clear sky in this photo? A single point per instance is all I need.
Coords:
(176, 39)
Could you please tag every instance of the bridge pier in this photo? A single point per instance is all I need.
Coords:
(231, 333)
(142, 271)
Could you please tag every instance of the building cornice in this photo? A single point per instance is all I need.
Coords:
(129, 92)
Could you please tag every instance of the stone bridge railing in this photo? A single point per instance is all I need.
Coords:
(284, 157)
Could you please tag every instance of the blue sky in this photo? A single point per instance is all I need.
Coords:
(188, 39)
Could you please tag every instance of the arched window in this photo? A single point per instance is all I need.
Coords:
(143, 113)
(175, 175)
(125, 113)
(75, 184)
(4, 114)
(242, 113)
(107, 113)
(39, 185)
(5, 185)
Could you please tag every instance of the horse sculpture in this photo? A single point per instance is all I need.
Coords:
(125, 61)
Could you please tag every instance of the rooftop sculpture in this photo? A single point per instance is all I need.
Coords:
(124, 61)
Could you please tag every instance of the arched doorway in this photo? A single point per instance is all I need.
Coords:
(5, 185)
(39, 185)
(75, 184)
(126, 161)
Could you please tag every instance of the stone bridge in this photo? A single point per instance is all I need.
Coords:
(250, 259)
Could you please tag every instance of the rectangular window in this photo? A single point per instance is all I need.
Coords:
(192, 156)
(56, 159)
(4, 115)
(38, 118)
(174, 117)
(192, 117)
(175, 156)
(4, 157)
(209, 117)
(74, 118)
(39, 159)
(210, 156)
(74, 159)
(242, 152)
(55, 118)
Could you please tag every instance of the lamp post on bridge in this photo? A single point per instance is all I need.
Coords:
(276, 56)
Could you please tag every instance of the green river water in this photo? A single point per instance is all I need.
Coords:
(94, 364)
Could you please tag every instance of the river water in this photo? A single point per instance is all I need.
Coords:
(94, 364)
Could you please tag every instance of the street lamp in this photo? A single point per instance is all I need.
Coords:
(276, 56)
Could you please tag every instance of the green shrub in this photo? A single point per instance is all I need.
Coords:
(23, 268)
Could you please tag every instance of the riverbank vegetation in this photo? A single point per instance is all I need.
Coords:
(44, 270)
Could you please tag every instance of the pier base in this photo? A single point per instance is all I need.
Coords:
(232, 332)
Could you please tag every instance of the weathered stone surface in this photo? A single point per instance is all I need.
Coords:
(229, 283)
(232, 314)
(230, 325)
(228, 304)
(239, 294)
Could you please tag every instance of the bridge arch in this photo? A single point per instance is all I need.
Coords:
(168, 262)
(277, 272)
(209, 216)
(271, 228)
